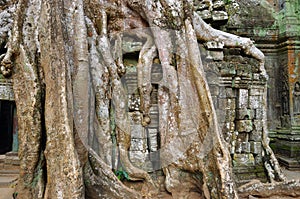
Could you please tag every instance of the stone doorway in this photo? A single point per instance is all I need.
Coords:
(8, 127)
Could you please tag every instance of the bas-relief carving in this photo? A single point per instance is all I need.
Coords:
(296, 104)
(284, 93)
(296, 99)
(6, 90)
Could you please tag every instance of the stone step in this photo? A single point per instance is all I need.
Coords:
(10, 159)
(8, 181)
(11, 154)
(9, 170)
(4, 172)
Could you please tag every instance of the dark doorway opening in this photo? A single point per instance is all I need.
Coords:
(7, 117)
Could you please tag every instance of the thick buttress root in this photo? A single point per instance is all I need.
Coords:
(119, 101)
(147, 54)
(98, 174)
(6, 65)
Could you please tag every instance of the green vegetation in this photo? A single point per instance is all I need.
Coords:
(122, 174)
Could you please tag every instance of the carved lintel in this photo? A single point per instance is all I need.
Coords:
(214, 45)
(6, 90)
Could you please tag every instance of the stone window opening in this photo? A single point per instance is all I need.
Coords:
(8, 127)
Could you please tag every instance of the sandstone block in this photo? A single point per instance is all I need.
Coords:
(244, 126)
(245, 113)
(243, 160)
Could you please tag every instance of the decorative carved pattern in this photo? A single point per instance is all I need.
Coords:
(6, 90)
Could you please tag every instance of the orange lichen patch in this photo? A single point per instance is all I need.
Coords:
(293, 75)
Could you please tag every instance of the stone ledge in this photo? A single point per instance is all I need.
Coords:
(289, 163)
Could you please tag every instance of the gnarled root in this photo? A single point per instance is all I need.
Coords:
(144, 66)
(119, 102)
(290, 189)
(6, 64)
(118, 54)
(206, 33)
(101, 182)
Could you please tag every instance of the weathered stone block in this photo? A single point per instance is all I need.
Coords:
(229, 127)
(246, 147)
(245, 113)
(222, 92)
(212, 78)
(6, 92)
(219, 15)
(128, 45)
(230, 115)
(258, 125)
(221, 115)
(259, 114)
(255, 136)
(256, 91)
(205, 14)
(226, 92)
(255, 102)
(210, 65)
(258, 159)
(214, 90)
(203, 5)
(256, 76)
(244, 126)
(139, 159)
(256, 147)
(243, 160)
(137, 131)
(244, 71)
(227, 104)
(138, 145)
(153, 145)
(214, 45)
(243, 98)
(218, 4)
(230, 93)
(238, 147)
(215, 55)
(228, 70)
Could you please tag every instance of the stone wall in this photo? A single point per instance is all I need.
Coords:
(274, 25)
(237, 90)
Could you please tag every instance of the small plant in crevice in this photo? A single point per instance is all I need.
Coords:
(122, 174)
(227, 1)
(14, 195)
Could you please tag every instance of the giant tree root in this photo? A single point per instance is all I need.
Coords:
(286, 189)
(101, 182)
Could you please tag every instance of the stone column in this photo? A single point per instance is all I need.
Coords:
(286, 144)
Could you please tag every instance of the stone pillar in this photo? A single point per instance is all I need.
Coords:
(286, 143)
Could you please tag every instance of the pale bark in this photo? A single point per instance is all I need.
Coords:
(64, 172)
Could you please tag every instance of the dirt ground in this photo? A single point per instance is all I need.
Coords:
(6, 192)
